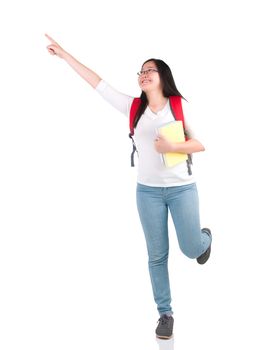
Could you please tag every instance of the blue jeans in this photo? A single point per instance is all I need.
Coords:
(153, 204)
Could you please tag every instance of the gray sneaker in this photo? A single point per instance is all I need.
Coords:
(164, 329)
(202, 259)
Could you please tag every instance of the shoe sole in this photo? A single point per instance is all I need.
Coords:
(164, 337)
(205, 258)
(208, 251)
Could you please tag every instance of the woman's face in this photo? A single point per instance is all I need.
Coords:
(149, 78)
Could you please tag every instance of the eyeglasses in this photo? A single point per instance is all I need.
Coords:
(147, 71)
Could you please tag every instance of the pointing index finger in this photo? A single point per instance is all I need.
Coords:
(51, 39)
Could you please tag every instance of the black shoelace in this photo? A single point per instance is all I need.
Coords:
(163, 320)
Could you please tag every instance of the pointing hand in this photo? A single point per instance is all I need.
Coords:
(54, 48)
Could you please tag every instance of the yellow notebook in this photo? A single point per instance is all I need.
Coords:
(173, 132)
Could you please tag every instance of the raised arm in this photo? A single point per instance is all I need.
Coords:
(55, 49)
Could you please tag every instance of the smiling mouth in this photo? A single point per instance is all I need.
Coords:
(146, 81)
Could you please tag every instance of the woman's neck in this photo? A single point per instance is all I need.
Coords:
(156, 101)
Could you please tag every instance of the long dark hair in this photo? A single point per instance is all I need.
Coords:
(168, 84)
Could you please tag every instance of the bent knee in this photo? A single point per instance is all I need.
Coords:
(190, 253)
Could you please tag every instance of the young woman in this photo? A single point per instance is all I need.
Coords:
(159, 188)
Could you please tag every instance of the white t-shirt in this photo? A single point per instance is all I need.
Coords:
(151, 169)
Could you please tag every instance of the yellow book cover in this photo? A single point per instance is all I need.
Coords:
(173, 132)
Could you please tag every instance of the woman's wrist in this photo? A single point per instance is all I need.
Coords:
(65, 55)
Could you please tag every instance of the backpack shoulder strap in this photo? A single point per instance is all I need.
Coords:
(176, 108)
(134, 108)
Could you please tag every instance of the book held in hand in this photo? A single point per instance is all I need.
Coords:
(173, 132)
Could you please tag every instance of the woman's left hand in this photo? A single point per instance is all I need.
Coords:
(163, 146)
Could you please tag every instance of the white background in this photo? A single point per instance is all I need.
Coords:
(73, 262)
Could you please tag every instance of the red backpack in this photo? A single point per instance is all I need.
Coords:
(177, 111)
